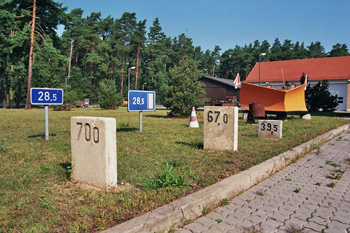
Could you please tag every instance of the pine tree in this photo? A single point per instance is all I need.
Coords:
(318, 97)
(276, 51)
(127, 25)
(138, 42)
(183, 91)
(108, 97)
(287, 50)
(299, 51)
(339, 50)
(316, 50)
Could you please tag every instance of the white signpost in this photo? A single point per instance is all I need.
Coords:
(271, 129)
(221, 128)
(94, 151)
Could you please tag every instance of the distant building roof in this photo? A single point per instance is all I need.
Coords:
(228, 82)
(330, 68)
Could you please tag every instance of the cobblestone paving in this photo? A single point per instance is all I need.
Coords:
(310, 195)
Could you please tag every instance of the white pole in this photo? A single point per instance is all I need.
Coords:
(129, 70)
(128, 79)
(140, 120)
(46, 122)
(235, 129)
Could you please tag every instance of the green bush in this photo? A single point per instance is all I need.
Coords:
(108, 97)
(318, 97)
(69, 100)
(183, 91)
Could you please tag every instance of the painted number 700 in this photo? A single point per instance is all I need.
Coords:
(93, 134)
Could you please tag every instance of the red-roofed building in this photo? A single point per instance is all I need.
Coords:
(334, 69)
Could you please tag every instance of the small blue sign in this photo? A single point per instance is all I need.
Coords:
(141, 101)
(46, 96)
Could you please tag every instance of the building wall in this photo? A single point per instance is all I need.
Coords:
(340, 89)
(348, 95)
(217, 91)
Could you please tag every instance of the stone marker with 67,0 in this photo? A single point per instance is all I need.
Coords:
(221, 128)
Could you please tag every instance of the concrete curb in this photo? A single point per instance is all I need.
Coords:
(175, 214)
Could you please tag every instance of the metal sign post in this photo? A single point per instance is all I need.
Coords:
(46, 97)
(46, 109)
(140, 121)
(139, 101)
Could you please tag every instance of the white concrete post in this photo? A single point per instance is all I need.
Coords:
(271, 129)
(94, 151)
(221, 128)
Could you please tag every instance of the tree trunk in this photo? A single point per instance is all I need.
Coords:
(7, 86)
(77, 55)
(122, 77)
(114, 70)
(70, 58)
(2, 90)
(31, 55)
(137, 65)
(19, 91)
(92, 66)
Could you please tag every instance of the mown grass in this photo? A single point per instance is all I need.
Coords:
(165, 162)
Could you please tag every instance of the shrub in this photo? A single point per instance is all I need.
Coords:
(183, 91)
(69, 100)
(108, 97)
(318, 97)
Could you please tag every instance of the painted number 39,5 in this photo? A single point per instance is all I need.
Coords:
(93, 133)
(214, 116)
(268, 127)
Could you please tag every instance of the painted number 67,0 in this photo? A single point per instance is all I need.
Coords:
(216, 114)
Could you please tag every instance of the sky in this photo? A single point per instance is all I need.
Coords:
(228, 23)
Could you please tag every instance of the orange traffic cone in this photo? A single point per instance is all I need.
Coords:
(193, 119)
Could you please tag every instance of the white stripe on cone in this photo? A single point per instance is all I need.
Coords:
(193, 119)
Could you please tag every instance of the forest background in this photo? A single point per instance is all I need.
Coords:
(97, 52)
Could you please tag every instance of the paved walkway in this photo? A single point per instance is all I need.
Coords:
(300, 198)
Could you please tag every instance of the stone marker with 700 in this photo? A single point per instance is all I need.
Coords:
(221, 128)
(94, 151)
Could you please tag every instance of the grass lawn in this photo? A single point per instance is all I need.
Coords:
(165, 162)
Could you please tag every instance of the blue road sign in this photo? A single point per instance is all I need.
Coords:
(46, 96)
(141, 101)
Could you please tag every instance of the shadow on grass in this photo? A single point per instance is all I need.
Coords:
(41, 135)
(67, 166)
(158, 116)
(331, 114)
(127, 129)
(197, 145)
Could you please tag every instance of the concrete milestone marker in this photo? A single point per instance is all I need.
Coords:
(270, 129)
(94, 151)
(221, 128)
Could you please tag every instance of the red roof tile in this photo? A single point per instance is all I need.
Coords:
(334, 68)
